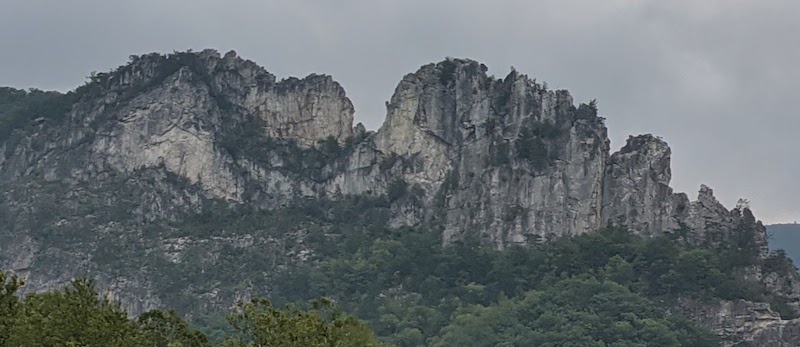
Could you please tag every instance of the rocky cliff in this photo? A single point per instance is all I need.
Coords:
(167, 138)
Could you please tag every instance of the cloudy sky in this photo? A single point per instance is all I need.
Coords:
(718, 79)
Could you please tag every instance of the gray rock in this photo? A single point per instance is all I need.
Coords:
(455, 121)
(744, 322)
(169, 136)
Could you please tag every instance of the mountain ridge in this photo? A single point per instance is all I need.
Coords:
(167, 138)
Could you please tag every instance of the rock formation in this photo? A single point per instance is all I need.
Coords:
(167, 136)
(458, 123)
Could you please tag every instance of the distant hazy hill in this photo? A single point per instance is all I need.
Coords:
(787, 237)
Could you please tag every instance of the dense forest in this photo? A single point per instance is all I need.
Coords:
(610, 288)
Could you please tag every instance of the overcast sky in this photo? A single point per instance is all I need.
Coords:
(719, 80)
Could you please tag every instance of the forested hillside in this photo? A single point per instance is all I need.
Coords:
(602, 289)
(595, 289)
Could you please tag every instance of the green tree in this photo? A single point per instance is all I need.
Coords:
(9, 304)
(76, 316)
(168, 329)
(261, 324)
(572, 312)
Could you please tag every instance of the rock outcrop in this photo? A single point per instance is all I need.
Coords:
(165, 138)
(636, 187)
(637, 194)
(745, 322)
(520, 161)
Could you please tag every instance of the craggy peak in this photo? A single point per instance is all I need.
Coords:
(483, 212)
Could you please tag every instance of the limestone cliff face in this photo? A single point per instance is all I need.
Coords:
(516, 162)
(502, 157)
(636, 186)
(179, 112)
(637, 195)
(162, 138)
(306, 110)
(165, 138)
(172, 125)
(506, 157)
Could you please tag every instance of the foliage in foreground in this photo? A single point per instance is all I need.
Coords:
(79, 316)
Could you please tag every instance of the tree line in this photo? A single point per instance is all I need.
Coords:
(77, 316)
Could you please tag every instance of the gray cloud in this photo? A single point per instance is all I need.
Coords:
(717, 79)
